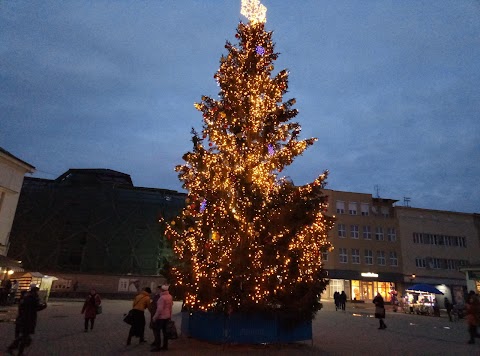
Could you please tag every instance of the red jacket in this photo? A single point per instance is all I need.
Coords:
(90, 306)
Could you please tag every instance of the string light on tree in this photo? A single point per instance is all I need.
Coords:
(249, 239)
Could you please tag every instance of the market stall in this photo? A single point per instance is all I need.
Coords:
(421, 299)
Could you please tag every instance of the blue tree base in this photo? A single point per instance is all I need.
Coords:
(244, 328)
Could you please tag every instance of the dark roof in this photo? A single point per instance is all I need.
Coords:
(16, 158)
(95, 175)
(6, 262)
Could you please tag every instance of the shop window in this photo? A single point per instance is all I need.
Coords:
(356, 293)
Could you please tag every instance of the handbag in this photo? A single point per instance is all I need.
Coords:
(99, 309)
(129, 317)
(171, 330)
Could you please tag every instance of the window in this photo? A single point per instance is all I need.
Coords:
(379, 233)
(391, 234)
(367, 232)
(341, 230)
(355, 255)
(368, 257)
(417, 238)
(381, 258)
(451, 264)
(354, 231)
(324, 256)
(352, 208)
(343, 255)
(420, 262)
(385, 212)
(439, 240)
(365, 208)
(2, 196)
(393, 258)
(340, 207)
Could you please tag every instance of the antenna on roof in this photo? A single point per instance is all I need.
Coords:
(377, 191)
(406, 202)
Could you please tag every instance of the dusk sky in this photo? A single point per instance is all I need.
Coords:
(391, 89)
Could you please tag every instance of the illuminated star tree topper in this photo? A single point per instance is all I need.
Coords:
(254, 11)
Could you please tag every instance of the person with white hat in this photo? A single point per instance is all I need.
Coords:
(162, 315)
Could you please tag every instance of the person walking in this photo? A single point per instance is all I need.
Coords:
(90, 306)
(153, 309)
(472, 309)
(140, 303)
(161, 318)
(380, 310)
(26, 322)
(448, 306)
(343, 300)
(336, 298)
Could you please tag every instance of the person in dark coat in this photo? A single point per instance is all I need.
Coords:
(153, 309)
(380, 310)
(26, 321)
(343, 300)
(90, 308)
(448, 306)
(140, 303)
(336, 298)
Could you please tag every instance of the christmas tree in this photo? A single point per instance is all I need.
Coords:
(248, 239)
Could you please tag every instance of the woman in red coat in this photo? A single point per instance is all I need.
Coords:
(90, 308)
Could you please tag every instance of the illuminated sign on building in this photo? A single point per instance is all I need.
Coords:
(369, 274)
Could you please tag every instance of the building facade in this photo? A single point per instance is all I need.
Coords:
(92, 221)
(12, 173)
(367, 255)
(437, 246)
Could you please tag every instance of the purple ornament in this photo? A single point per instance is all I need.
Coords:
(260, 50)
(271, 149)
(203, 205)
